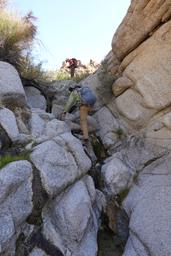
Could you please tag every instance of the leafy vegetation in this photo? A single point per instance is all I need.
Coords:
(65, 75)
(80, 76)
(106, 80)
(33, 71)
(61, 75)
(119, 132)
(123, 194)
(6, 159)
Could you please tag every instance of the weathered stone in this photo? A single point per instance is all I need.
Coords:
(60, 162)
(23, 119)
(37, 125)
(73, 221)
(44, 115)
(15, 201)
(107, 127)
(34, 98)
(150, 228)
(8, 123)
(148, 66)
(88, 245)
(7, 230)
(150, 69)
(167, 120)
(141, 19)
(129, 249)
(121, 85)
(159, 138)
(37, 252)
(11, 90)
(58, 109)
(22, 140)
(55, 128)
(130, 105)
(117, 176)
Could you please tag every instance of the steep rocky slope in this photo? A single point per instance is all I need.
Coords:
(48, 200)
(50, 204)
(140, 59)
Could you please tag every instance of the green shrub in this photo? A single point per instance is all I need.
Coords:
(65, 75)
(6, 159)
(105, 87)
(32, 71)
(61, 75)
(80, 76)
(119, 132)
(122, 195)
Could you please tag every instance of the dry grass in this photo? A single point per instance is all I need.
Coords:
(16, 35)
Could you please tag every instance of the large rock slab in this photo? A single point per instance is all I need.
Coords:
(8, 123)
(55, 127)
(121, 85)
(148, 68)
(15, 202)
(34, 98)
(141, 19)
(37, 125)
(37, 252)
(107, 126)
(12, 93)
(70, 222)
(150, 228)
(60, 161)
(117, 176)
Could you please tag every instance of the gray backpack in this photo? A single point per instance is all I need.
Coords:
(87, 96)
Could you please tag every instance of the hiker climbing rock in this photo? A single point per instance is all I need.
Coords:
(84, 98)
(72, 65)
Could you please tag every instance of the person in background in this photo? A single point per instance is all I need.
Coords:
(72, 65)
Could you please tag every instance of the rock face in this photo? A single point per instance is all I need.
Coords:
(107, 126)
(8, 123)
(16, 202)
(148, 68)
(52, 188)
(37, 252)
(70, 221)
(116, 175)
(140, 59)
(141, 20)
(62, 165)
(34, 98)
(149, 225)
(11, 90)
(49, 204)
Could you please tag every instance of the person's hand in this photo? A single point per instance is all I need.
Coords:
(63, 115)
